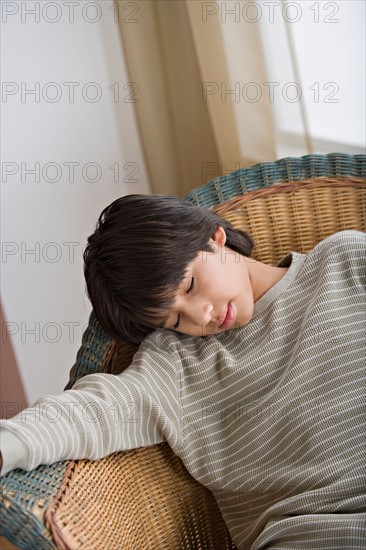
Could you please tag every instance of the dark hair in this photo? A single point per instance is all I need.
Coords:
(138, 255)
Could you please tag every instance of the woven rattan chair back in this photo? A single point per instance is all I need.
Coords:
(297, 215)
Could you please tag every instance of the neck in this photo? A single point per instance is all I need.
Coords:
(263, 277)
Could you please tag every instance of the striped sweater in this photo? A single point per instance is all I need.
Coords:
(270, 416)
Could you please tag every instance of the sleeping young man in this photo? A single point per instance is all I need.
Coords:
(254, 374)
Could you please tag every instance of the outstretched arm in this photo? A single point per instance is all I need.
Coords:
(103, 413)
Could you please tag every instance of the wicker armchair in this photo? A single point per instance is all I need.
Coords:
(144, 498)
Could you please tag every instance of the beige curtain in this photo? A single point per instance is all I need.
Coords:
(195, 76)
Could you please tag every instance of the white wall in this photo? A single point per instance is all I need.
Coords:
(45, 292)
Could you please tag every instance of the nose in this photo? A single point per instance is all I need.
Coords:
(199, 311)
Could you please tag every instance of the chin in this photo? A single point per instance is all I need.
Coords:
(241, 322)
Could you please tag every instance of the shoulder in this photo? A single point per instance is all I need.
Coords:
(162, 340)
(159, 349)
(342, 244)
(176, 347)
(348, 236)
(340, 258)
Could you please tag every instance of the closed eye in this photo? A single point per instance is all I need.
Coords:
(193, 282)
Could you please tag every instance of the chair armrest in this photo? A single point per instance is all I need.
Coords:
(143, 498)
(25, 497)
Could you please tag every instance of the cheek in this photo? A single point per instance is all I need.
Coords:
(245, 308)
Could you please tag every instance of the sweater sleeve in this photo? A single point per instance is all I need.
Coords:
(101, 414)
(14, 452)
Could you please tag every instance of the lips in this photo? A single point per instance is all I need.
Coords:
(222, 317)
(227, 317)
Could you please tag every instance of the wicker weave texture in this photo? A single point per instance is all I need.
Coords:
(295, 216)
(25, 497)
(140, 509)
(265, 174)
(95, 353)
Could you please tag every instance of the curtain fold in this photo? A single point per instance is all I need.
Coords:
(174, 123)
(198, 79)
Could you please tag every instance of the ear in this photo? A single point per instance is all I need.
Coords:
(219, 236)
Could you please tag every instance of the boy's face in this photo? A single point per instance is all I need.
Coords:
(216, 293)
